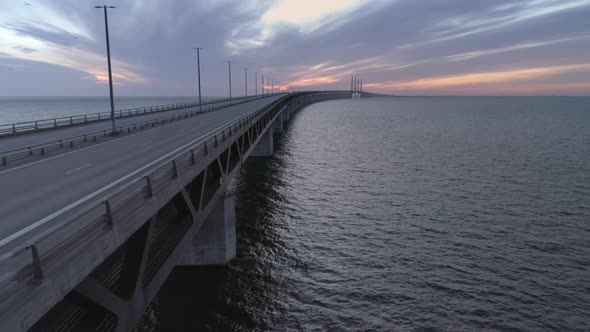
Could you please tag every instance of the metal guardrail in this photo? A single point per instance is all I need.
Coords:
(44, 124)
(43, 148)
(120, 198)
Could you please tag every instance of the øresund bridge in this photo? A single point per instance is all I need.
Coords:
(94, 218)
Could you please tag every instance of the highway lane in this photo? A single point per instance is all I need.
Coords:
(22, 140)
(33, 191)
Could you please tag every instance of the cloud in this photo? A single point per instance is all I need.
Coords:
(499, 17)
(32, 49)
(37, 33)
(306, 44)
(23, 49)
(482, 79)
(308, 14)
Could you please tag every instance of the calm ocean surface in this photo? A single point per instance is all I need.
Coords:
(406, 214)
(21, 109)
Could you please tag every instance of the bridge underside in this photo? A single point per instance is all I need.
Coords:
(190, 221)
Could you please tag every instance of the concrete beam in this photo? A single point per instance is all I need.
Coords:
(215, 243)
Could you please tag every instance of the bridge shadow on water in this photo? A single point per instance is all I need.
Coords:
(242, 295)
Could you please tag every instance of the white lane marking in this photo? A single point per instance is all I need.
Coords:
(109, 186)
(78, 150)
(146, 143)
(77, 169)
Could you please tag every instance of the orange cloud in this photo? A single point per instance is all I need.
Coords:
(312, 81)
(102, 76)
(471, 80)
(14, 45)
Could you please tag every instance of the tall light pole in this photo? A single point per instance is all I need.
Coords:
(246, 82)
(106, 28)
(262, 84)
(229, 65)
(199, 73)
(256, 83)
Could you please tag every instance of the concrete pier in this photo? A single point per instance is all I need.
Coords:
(215, 243)
(278, 124)
(265, 147)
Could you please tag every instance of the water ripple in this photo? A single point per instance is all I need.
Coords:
(414, 214)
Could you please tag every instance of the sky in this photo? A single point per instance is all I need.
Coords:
(402, 47)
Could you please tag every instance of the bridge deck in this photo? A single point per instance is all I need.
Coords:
(36, 190)
(36, 137)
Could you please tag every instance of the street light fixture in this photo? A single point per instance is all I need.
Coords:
(229, 65)
(256, 84)
(106, 28)
(246, 82)
(199, 74)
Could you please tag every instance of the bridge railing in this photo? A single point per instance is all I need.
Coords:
(30, 259)
(71, 141)
(44, 124)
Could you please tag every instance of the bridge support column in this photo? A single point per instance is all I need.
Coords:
(215, 242)
(264, 148)
(277, 126)
(286, 115)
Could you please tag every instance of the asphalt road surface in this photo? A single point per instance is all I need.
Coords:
(24, 140)
(30, 192)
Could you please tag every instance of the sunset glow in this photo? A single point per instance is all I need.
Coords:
(395, 47)
(482, 80)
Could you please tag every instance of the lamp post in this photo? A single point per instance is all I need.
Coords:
(246, 82)
(106, 28)
(255, 83)
(229, 66)
(262, 84)
(199, 73)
